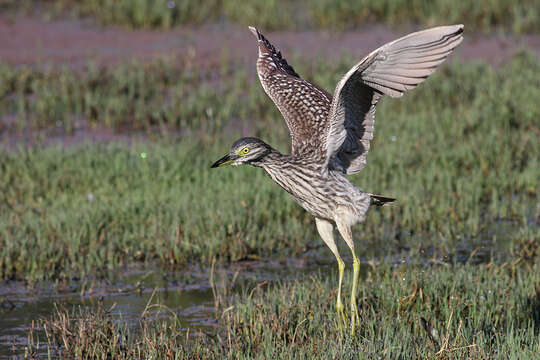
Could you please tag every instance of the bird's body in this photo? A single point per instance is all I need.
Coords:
(324, 194)
(331, 135)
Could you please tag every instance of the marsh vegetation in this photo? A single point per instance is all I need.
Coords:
(460, 154)
(507, 15)
(449, 271)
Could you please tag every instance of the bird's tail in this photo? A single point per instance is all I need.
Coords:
(380, 200)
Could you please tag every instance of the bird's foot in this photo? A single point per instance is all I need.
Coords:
(355, 319)
(341, 319)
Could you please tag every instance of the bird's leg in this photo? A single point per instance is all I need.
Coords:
(345, 231)
(339, 305)
(325, 229)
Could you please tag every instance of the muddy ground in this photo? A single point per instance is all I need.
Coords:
(26, 40)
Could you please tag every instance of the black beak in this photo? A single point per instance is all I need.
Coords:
(226, 160)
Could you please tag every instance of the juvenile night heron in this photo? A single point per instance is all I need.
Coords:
(331, 134)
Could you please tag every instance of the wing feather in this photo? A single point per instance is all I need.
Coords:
(390, 70)
(304, 105)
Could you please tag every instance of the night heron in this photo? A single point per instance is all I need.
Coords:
(331, 134)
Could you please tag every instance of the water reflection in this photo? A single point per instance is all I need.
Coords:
(188, 294)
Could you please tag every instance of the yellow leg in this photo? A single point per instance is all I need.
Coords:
(354, 309)
(345, 231)
(326, 231)
(339, 305)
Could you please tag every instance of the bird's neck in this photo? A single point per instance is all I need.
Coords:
(276, 166)
(273, 157)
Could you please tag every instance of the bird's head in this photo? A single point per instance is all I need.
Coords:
(244, 151)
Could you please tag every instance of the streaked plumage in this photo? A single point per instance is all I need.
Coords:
(330, 136)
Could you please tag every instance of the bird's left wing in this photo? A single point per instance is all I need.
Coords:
(390, 70)
(304, 106)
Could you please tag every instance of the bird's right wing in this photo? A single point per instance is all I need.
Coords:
(390, 70)
(304, 106)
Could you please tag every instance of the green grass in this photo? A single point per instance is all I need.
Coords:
(133, 97)
(463, 165)
(517, 17)
(443, 312)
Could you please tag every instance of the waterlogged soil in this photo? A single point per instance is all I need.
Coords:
(188, 294)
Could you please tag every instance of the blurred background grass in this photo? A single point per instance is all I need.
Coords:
(460, 154)
(511, 16)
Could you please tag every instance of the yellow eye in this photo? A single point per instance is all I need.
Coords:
(245, 150)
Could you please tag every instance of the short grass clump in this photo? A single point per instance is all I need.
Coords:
(154, 97)
(460, 154)
(457, 312)
(517, 17)
(74, 211)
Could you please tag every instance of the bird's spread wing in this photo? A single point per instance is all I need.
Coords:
(390, 70)
(304, 106)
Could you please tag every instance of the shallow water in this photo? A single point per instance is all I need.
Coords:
(189, 293)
